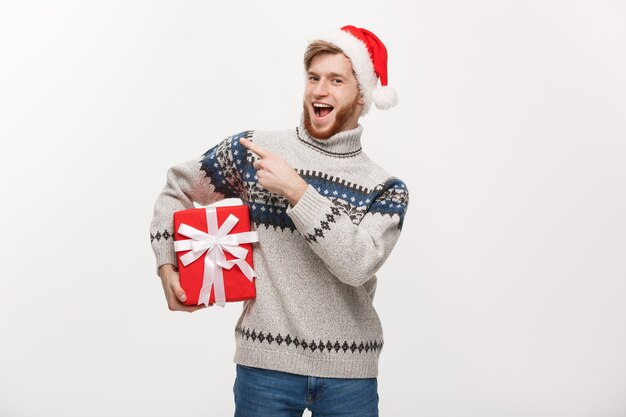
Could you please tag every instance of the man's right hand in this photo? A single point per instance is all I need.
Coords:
(174, 294)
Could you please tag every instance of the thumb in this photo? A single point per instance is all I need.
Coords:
(177, 289)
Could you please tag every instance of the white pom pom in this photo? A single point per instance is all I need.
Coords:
(384, 97)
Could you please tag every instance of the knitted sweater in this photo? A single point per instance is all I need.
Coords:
(315, 261)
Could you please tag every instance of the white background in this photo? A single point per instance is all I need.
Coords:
(505, 295)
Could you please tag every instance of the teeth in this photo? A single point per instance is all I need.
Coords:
(321, 105)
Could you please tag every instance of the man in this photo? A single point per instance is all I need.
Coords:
(327, 219)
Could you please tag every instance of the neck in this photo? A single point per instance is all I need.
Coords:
(342, 144)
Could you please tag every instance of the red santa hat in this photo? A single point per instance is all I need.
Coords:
(369, 62)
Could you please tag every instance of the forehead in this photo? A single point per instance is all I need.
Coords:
(327, 63)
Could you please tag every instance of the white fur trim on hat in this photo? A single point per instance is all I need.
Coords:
(362, 65)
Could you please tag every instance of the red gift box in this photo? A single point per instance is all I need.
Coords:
(214, 251)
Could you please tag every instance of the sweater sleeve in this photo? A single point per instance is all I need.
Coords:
(352, 250)
(211, 177)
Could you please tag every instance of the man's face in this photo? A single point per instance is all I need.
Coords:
(332, 100)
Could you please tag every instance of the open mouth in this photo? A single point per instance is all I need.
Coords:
(322, 109)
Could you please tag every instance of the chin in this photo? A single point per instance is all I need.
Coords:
(324, 131)
(341, 117)
(320, 132)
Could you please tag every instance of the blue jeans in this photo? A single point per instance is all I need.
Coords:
(266, 393)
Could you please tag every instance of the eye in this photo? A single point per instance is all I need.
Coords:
(313, 78)
(337, 81)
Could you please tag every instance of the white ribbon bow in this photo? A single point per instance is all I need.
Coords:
(214, 243)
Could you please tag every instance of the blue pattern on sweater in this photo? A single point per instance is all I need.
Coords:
(229, 167)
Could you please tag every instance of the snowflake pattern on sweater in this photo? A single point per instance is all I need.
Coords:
(316, 261)
(225, 164)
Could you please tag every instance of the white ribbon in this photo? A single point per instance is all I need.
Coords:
(214, 243)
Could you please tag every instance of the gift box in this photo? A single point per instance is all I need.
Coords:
(214, 250)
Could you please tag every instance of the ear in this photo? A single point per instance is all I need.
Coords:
(361, 100)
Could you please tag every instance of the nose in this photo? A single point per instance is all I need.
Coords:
(321, 88)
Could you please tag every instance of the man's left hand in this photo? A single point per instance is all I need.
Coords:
(275, 174)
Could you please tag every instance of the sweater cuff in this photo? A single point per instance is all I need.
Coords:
(307, 210)
(164, 254)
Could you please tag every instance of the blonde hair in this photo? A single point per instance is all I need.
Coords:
(316, 48)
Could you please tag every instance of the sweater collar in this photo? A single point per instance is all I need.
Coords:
(341, 145)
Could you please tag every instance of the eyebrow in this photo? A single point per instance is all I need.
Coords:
(331, 74)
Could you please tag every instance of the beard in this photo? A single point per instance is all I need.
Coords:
(344, 114)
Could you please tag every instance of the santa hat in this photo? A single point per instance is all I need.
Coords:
(369, 62)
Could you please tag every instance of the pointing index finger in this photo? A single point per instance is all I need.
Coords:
(254, 147)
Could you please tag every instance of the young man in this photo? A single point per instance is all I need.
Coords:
(327, 219)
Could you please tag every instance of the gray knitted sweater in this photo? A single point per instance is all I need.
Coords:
(315, 262)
